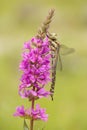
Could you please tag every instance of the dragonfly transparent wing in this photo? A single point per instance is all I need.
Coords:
(64, 50)
(59, 64)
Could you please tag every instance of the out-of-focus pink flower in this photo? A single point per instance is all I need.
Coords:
(39, 113)
(20, 111)
(35, 114)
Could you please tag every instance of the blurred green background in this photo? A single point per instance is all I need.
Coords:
(19, 21)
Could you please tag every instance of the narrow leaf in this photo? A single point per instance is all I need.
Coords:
(25, 125)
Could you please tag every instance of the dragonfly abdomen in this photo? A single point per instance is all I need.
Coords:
(54, 66)
(53, 82)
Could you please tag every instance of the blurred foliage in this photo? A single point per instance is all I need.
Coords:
(19, 21)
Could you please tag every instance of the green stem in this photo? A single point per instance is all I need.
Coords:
(32, 107)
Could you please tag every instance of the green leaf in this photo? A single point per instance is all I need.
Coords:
(25, 125)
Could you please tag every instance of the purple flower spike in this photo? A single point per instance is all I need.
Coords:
(36, 74)
(36, 68)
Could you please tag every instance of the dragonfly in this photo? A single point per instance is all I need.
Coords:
(57, 50)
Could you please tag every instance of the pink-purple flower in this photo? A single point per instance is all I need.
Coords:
(20, 111)
(35, 114)
(32, 94)
(36, 74)
(36, 68)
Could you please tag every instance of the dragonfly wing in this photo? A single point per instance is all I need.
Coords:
(64, 50)
(58, 60)
(59, 64)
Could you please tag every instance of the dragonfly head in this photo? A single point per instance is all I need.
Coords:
(52, 36)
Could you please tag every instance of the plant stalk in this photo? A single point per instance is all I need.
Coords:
(32, 107)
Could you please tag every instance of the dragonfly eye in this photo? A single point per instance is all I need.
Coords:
(52, 36)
